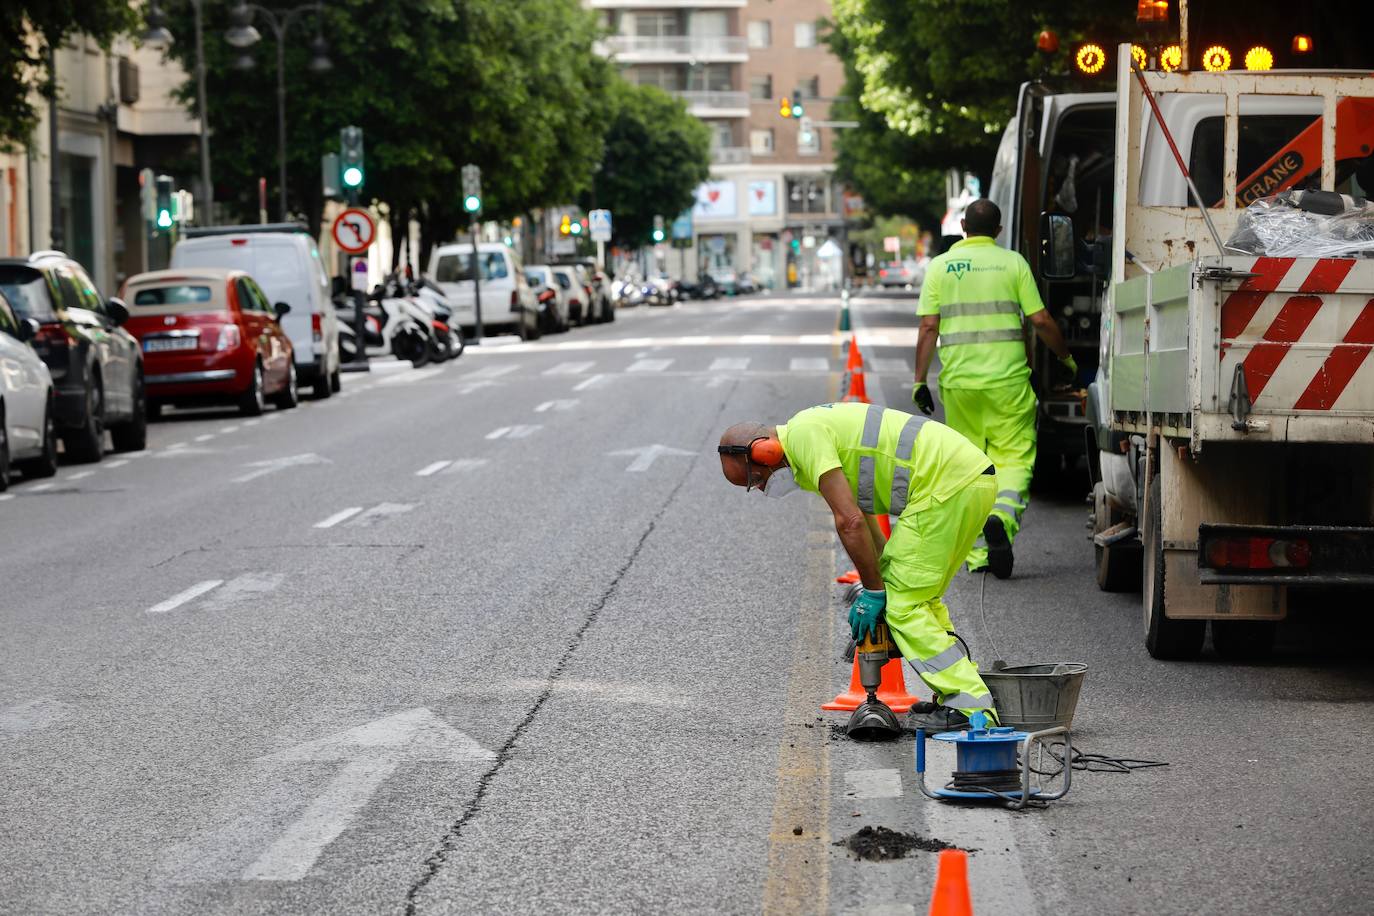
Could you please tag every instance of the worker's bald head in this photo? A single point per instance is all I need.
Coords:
(734, 467)
(982, 217)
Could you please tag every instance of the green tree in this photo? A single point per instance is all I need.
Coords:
(28, 28)
(655, 156)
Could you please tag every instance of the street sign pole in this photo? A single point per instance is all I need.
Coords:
(476, 285)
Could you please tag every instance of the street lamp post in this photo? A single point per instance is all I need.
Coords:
(243, 36)
(159, 38)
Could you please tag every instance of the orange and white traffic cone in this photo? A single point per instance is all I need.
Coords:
(951, 896)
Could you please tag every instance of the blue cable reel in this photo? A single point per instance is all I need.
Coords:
(987, 768)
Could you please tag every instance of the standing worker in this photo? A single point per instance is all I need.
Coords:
(866, 461)
(973, 299)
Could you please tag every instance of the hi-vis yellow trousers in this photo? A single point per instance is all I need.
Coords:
(925, 551)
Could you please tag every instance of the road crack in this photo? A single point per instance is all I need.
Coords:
(439, 858)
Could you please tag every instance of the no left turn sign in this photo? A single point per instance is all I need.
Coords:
(354, 231)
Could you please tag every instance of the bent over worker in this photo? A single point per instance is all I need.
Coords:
(867, 461)
(973, 299)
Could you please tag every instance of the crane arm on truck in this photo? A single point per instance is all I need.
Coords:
(1298, 158)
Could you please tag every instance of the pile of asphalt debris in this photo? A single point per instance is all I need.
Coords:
(879, 844)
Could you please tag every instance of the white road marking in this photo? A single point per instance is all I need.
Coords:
(464, 464)
(498, 432)
(80, 475)
(5, 496)
(370, 753)
(271, 466)
(588, 383)
(568, 404)
(181, 598)
(205, 438)
(523, 431)
(410, 378)
(470, 387)
(569, 368)
(176, 445)
(890, 364)
(33, 716)
(380, 512)
(694, 340)
(646, 455)
(729, 364)
(649, 365)
(226, 430)
(492, 371)
(41, 487)
(341, 515)
(250, 422)
(274, 416)
(809, 364)
(111, 465)
(432, 468)
(873, 783)
(242, 590)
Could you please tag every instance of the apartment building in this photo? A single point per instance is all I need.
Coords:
(771, 206)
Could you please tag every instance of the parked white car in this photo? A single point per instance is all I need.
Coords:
(28, 432)
(552, 297)
(285, 262)
(508, 303)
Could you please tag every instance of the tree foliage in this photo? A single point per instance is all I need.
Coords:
(28, 28)
(656, 154)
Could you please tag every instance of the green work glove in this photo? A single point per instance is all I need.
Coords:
(922, 398)
(865, 613)
(1071, 364)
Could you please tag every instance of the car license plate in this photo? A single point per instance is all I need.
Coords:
(163, 344)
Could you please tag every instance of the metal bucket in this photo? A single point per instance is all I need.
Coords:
(1035, 697)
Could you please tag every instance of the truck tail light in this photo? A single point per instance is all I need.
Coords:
(514, 301)
(1258, 553)
(229, 338)
(316, 333)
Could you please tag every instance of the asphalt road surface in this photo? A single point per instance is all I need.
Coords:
(496, 637)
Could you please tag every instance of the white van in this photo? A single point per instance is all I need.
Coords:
(508, 303)
(285, 262)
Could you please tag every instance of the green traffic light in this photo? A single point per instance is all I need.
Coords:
(164, 219)
(658, 235)
(472, 203)
(575, 228)
(353, 177)
(797, 111)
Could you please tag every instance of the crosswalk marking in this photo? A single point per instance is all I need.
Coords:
(569, 368)
(730, 364)
(809, 364)
(649, 365)
(590, 382)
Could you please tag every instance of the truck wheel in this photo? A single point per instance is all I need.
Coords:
(1118, 566)
(1244, 640)
(1164, 638)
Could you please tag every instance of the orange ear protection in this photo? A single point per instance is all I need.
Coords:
(763, 450)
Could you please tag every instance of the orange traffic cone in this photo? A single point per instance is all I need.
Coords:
(951, 896)
(855, 388)
(892, 690)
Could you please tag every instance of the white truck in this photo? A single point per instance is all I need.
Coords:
(1232, 417)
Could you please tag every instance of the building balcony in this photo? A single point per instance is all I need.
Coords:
(668, 4)
(730, 155)
(715, 104)
(705, 49)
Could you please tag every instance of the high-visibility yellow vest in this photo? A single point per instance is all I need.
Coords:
(893, 461)
(980, 292)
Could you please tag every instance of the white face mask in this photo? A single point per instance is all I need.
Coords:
(780, 483)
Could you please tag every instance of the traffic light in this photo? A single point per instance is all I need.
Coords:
(164, 202)
(659, 235)
(565, 225)
(472, 189)
(797, 108)
(575, 226)
(351, 157)
(785, 107)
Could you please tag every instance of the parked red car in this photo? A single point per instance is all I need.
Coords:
(210, 335)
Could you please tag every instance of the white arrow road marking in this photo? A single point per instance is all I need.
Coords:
(873, 783)
(809, 364)
(492, 371)
(729, 364)
(586, 383)
(271, 466)
(556, 405)
(569, 368)
(380, 512)
(242, 590)
(649, 365)
(648, 454)
(340, 516)
(181, 598)
(370, 754)
(432, 468)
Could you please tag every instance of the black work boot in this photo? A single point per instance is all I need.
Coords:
(940, 719)
(999, 547)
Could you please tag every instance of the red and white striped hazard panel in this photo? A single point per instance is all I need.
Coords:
(1303, 329)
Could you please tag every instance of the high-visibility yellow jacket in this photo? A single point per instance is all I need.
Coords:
(893, 461)
(980, 292)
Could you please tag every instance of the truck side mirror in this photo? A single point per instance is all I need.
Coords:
(1056, 247)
